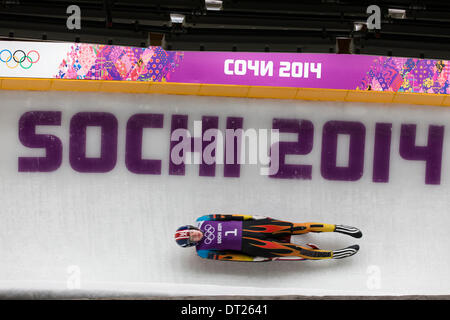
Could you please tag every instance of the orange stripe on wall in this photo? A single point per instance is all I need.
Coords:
(224, 91)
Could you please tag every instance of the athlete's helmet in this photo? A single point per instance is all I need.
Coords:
(182, 236)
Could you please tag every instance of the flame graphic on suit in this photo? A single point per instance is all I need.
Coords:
(271, 238)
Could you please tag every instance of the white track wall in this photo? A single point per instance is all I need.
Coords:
(113, 232)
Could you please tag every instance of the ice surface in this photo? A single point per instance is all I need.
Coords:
(113, 232)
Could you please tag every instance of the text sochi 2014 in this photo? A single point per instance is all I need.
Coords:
(429, 154)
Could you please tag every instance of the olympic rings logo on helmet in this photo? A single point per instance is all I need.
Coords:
(209, 234)
(20, 58)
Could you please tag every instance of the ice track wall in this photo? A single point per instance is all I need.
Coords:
(112, 230)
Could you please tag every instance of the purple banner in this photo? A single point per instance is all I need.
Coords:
(297, 70)
(273, 69)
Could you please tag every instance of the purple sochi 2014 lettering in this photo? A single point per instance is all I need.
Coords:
(133, 152)
(208, 123)
(232, 167)
(180, 122)
(28, 137)
(431, 153)
(354, 170)
(177, 122)
(77, 152)
(382, 152)
(304, 144)
(209, 143)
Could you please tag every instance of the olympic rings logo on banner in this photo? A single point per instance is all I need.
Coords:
(20, 58)
(209, 234)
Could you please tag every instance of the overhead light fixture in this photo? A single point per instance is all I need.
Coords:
(177, 18)
(397, 13)
(215, 5)
(359, 26)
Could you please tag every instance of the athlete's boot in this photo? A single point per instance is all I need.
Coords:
(346, 252)
(351, 231)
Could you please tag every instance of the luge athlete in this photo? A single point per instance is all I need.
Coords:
(258, 238)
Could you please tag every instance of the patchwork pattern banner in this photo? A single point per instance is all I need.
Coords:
(407, 75)
(101, 62)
